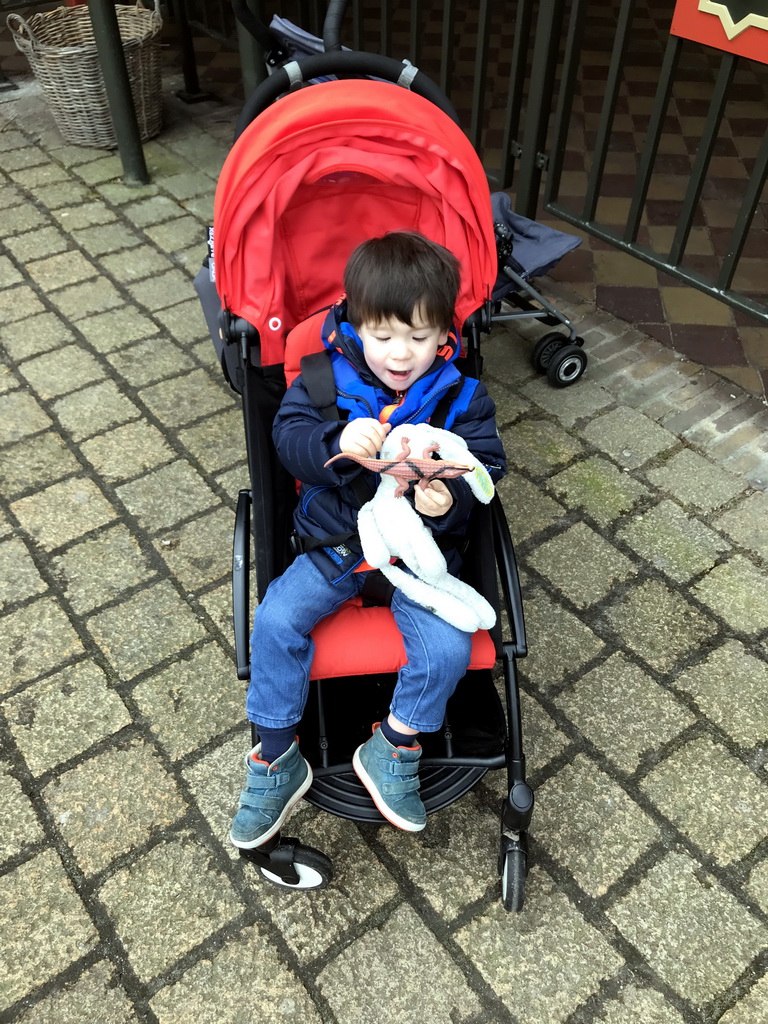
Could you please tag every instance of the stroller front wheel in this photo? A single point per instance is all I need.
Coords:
(566, 366)
(513, 874)
(314, 870)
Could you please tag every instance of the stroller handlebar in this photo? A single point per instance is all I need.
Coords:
(346, 64)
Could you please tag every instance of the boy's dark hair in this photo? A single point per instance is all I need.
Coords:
(398, 275)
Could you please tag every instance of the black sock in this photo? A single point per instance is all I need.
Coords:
(275, 742)
(398, 739)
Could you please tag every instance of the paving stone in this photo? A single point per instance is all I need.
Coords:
(19, 577)
(167, 902)
(352, 983)
(629, 437)
(747, 524)
(8, 273)
(591, 826)
(118, 327)
(581, 564)
(539, 978)
(217, 779)
(63, 511)
(36, 244)
(185, 322)
(569, 405)
(19, 826)
(20, 416)
(178, 234)
(659, 624)
(737, 591)
(172, 701)
(102, 169)
(98, 570)
(46, 927)
(21, 218)
(247, 972)
(127, 451)
(730, 688)
(61, 269)
(217, 442)
(96, 995)
(184, 399)
(751, 1008)
(540, 446)
(35, 640)
(454, 860)
(507, 354)
(758, 885)
(19, 303)
(37, 334)
(149, 361)
(77, 695)
(81, 300)
(558, 642)
(153, 210)
(633, 1005)
(597, 487)
(509, 406)
(136, 264)
(137, 634)
(46, 174)
(94, 409)
(233, 482)
(695, 481)
(106, 238)
(360, 886)
(85, 213)
(199, 552)
(113, 803)
(218, 604)
(161, 291)
(624, 712)
(692, 931)
(527, 508)
(712, 797)
(167, 495)
(674, 542)
(55, 373)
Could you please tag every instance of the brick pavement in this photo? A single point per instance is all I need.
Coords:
(636, 501)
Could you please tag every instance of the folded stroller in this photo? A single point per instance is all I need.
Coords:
(313, 172)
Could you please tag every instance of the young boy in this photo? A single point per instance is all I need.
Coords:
(393, 350)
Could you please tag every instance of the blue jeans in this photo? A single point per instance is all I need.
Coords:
(282, 650)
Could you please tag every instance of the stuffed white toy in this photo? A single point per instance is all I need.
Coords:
(389, 527)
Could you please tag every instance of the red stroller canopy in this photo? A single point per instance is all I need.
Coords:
(325, 168)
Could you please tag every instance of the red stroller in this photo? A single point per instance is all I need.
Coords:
(314, 171)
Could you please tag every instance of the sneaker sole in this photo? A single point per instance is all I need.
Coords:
(266, 836)
(392, 816)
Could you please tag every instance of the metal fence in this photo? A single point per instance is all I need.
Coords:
(590, 111)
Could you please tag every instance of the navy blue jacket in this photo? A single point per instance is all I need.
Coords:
(328, 504)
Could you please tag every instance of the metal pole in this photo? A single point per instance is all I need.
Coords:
(112, 59)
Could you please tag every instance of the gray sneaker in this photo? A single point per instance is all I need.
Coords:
(271, 791)
(390, 774)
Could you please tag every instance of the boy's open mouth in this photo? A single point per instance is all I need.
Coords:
(399, 374)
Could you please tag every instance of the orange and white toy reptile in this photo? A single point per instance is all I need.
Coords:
(390, 527)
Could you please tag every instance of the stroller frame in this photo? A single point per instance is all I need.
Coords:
(265, 524)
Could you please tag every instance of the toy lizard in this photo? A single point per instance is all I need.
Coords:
(407, 469)
(391, 528)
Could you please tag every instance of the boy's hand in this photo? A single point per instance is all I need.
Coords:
(434, 500)
(363, 437)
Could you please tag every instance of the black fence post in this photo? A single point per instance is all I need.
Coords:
(106, 34)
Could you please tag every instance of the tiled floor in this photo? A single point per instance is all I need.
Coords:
(705, 330)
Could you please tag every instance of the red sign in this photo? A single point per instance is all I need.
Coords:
(736, 26)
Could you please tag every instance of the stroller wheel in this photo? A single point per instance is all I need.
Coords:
(545, 348)
(313, 868)
(513, 873)
(566, 366)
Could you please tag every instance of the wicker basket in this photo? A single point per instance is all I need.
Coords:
(62, 53)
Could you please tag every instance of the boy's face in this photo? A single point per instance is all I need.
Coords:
(399, 354)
